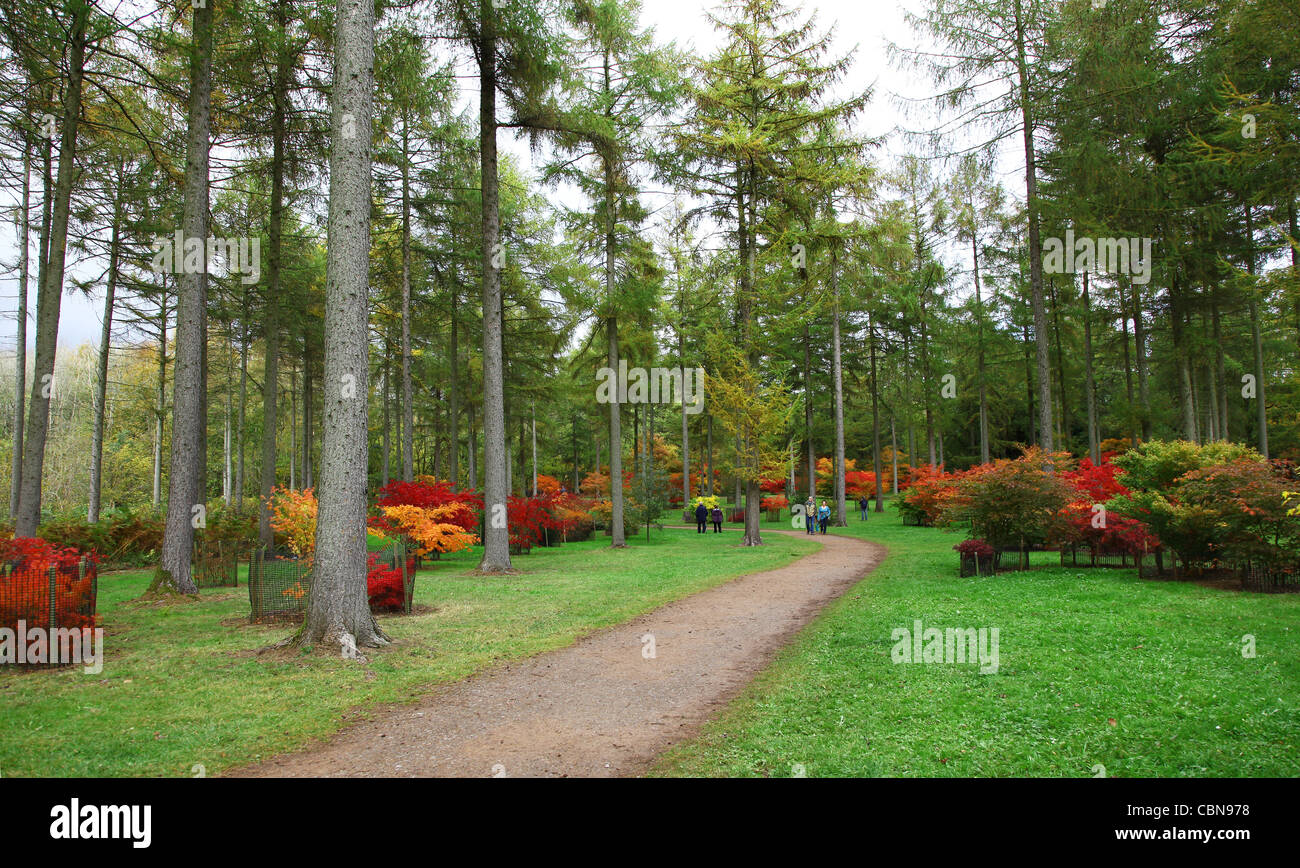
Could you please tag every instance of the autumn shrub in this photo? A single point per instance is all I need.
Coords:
(1083, 525)
(859, 483)
(384, 585)
(25, 586)
(928, 491)
(428, 492)
(572, 515)
(774, 504)
(431, 530)
(1011, 503)
(122, 537)
(528, 518)
(293, 518)
(710, 501)
(1209, 503)
(1097, 481)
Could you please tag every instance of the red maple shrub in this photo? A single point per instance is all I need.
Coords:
(384, 584)
(1097, 481)
(25, 585)
(529, 518)
(426, 493)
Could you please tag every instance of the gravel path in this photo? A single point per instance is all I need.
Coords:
(602, 707)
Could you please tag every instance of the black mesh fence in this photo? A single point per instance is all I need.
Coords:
(48, 596)
(278, 584)
(216, 561)
(1088, 556)
(1270, 578)
(973, 565)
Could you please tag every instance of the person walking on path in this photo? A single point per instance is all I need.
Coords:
(863, 503)
(716, 515)
(824, 516)
(701, 516)
(810, 513)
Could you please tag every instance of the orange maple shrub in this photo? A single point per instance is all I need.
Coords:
(429, 528)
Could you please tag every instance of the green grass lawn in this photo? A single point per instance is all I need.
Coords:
(1097, 667)
(181, 684)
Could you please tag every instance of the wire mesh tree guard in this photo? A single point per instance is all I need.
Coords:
(50, 597)
(278, 585)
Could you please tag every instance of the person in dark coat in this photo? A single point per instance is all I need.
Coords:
(716, 515)
(863, 503)
(701, 517)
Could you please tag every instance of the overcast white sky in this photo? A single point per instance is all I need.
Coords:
(865, 24)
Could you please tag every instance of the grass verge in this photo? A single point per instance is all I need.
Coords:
(182, 684)
(1100, 671)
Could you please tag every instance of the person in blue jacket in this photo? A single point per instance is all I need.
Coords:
(701, 517)
(823, 516)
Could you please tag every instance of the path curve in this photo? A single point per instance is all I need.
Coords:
(599, 707)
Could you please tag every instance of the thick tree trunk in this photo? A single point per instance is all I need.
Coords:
(50, 289)
(496, 542)
(184, 478)
(338, 608)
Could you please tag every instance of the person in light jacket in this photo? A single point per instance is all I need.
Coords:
(824, 516)
(810, 513)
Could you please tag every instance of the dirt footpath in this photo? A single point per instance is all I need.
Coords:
(603, 707)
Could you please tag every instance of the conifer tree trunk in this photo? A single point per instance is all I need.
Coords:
(496, 539)
(101, 368)
(20, 346)
(1090, 385)
(189, 426)
(271, 377)
(49, 292)
(338, 609)
(841, 511)
(1035, 242)
(408, 410)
